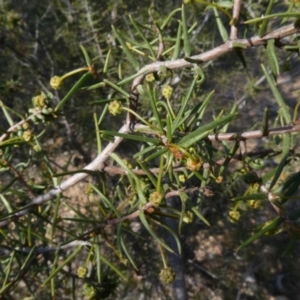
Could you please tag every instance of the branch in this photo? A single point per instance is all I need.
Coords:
(235, 18)
(107, 223)
(254, 134)
(233, 136)
(154, 67)
(214, 53)
(93, 166)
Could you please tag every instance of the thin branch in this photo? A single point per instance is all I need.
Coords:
(234, 136)
(93, 166)
(154, 67)
(255, 134)
(235, 18)
(16, 126)
(225, 48)
(103, 225)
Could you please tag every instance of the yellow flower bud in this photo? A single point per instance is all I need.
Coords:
(115, 107)
(27, 135)
(129, 45)
(37, 148)
(194, 164)
(219, 179)
(167, 91)
(182, 178)
(167, 275)
(82, 272)
(89, 291)
(56, 82)
(25, 125)
(188, 217)
(150, 77)
(156, 198)
(88, 189)
(39, 101)
(254, 204)
(234, 216)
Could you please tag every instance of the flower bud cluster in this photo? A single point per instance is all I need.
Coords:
(167, 275)
(115, 107)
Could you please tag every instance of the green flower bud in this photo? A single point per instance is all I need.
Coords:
(89, 291)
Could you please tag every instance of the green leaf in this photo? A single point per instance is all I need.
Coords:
(134, 137)
(107, 202)
(175, 236)
(72, 91)
(239, 45)
(225, 4)
(200, 216)
(150, 176)
(178, 42)
(264, 24)
(285, 152)
(256, 196)
(178, 121)
(241, 57)
(86, 56)
(184, 197)
(198, 115)
(113, 267)
(204, 131)
(105, 67)
(130, 56)
(64, 263)
(186, 40)
(272, 226)
(152, 232)
(156, 154)
(279, 15)
(272, 57)
(149, 47)
(123, 245)
(116, 88)
(291, 185)
(168, 18)
(221, 27)
(144, 151)
(265, 122)
(284, 110)
(153, 102)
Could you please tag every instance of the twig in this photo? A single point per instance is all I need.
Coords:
(102, 226)
(214, 53)
(154, 67)
(235, 18)
(93, 166)
(233, 136)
